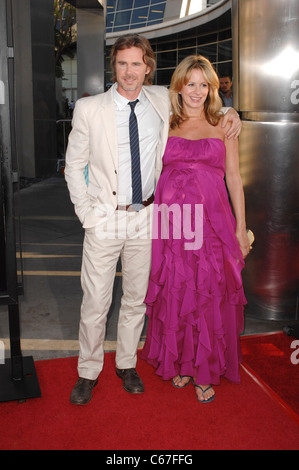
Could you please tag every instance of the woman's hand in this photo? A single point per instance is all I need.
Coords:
(243, 242)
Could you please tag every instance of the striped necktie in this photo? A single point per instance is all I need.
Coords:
(135, 158)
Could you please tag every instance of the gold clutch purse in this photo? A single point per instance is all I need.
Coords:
(250, 236)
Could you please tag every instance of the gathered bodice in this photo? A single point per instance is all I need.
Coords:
(206, 154)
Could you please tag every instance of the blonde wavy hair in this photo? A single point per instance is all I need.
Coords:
(181, 77)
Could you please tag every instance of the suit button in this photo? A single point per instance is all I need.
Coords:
(114, 193)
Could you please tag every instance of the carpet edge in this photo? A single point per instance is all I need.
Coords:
(273, 395)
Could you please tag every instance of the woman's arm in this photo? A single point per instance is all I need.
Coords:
(236, 192)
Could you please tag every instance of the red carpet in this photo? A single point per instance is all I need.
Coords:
(163, 418)
(268, 357)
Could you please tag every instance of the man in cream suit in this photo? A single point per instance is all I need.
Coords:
(113, 228)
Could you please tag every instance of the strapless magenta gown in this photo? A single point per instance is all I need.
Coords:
(195, 298)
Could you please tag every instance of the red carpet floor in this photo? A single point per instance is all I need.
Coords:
(274, 360)
(163, 418)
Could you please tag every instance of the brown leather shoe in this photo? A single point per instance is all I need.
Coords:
(82, 391)
(132, 383)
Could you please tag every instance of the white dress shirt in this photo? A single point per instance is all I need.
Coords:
(149, 126)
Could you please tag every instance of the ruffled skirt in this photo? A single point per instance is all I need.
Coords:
(195, 298)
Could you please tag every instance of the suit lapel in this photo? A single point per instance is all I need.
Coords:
(158, 103)
(161, 104)
(109, 125)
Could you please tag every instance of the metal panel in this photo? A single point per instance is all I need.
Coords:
(269, 54)
(266, 91)
(269, 167)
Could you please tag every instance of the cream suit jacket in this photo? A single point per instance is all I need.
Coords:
(93, 141)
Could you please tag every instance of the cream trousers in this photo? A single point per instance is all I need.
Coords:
(127, 235)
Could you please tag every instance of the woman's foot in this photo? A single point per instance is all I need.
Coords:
(181, 381)
(204, 393)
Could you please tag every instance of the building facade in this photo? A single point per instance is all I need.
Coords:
(175, 29)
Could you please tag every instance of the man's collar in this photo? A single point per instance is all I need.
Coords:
(120, 101)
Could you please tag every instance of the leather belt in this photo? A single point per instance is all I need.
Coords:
(130, 207)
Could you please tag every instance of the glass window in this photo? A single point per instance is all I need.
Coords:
(143, 13)
(164, 76)
(141, 3)
(138, 25)
(209, 51)
(149, 23)
(207, 38)
(67, 81)
(190, 42)
(107, 62)
(111, 5)
(167, 59)
(224, 51)
(124, 5)
(166, 46)
(108, 79)
(224, 69)
(226, 34)
(156, 13)
(122, 18)
(110, 20)
(185, 52)
(74, 66)
(67, 66)
(120, 28)
(139, 15)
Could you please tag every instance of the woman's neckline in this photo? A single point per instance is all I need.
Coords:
(195, 140)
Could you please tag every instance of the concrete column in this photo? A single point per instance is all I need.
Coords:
(91, 26)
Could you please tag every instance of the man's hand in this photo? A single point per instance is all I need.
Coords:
(232, 117)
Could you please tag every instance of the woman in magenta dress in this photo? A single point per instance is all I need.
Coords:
(195, 298)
